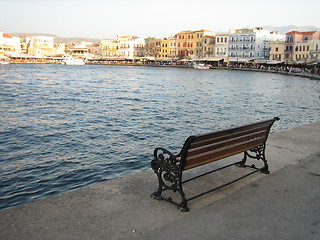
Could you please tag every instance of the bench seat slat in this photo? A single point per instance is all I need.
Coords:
(216, 136)
(226, 142)
(223, 152)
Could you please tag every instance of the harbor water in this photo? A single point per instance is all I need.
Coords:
(65, 127)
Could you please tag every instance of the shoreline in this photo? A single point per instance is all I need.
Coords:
(305, 75)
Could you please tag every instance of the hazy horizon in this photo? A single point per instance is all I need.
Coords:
(101, 19)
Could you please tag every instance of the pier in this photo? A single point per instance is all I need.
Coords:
(282, 205)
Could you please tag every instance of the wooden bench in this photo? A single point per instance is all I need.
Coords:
(205, 148)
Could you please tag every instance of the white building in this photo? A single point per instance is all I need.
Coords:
(9, 44)
(131, 47)
(40, 46)
(315, 50)
(251, 44)
(221, 49)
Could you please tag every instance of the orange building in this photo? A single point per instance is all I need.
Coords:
(189, 42)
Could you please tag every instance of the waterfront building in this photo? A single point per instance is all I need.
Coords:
(131, 47)
(172, 47)
(157, 48)
(297, 46)
(150, 47)
(79, 50)
(95, 50)
(190, 43)
(9, 44)
(221, 46)
(276, 51)
(40, 46)
(182, 37)
(1, 43)
(315, 51)
(164, 48)
(110, 49)
(60, 48)
(206, 51)
(248, 45)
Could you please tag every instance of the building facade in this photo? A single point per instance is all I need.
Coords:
(315, 51)
(221, 46)
(9, 44)
(40, 46)
(298, 46)
(190, 43)
(247, 45)
(110, 49)
(131, 47)
(276, 51)
(207, 51)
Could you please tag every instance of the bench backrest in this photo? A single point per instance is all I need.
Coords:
(209, 147)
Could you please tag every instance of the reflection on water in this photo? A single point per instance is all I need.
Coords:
(65, 127)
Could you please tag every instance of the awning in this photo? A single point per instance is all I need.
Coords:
(274, 62)
(148, 58)
(165, 59)
(213, 59)
(246, 60)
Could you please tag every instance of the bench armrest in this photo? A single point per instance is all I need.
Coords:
(165, 159)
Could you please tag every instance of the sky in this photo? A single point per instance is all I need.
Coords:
(105, 19)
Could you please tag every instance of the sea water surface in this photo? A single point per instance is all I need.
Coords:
(66, 127)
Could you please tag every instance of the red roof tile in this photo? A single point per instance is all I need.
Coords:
(6, 35)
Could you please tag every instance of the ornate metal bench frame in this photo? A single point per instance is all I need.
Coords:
(169, 167)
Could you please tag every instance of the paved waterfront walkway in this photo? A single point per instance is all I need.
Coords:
(282, 205)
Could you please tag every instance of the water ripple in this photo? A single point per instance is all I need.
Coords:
(64, 128)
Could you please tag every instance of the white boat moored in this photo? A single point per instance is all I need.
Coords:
(72, 61)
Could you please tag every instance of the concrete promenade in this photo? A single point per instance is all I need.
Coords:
(282, 205)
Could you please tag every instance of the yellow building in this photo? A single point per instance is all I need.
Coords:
(276, 51)
(165, 48)
(110, 48)
(41, 46)
(172, 47)
(302, 51)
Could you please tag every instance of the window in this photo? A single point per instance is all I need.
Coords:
(277, 49)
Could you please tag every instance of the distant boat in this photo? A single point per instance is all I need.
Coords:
(4, 60)
(72, 61)
(201, 66)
